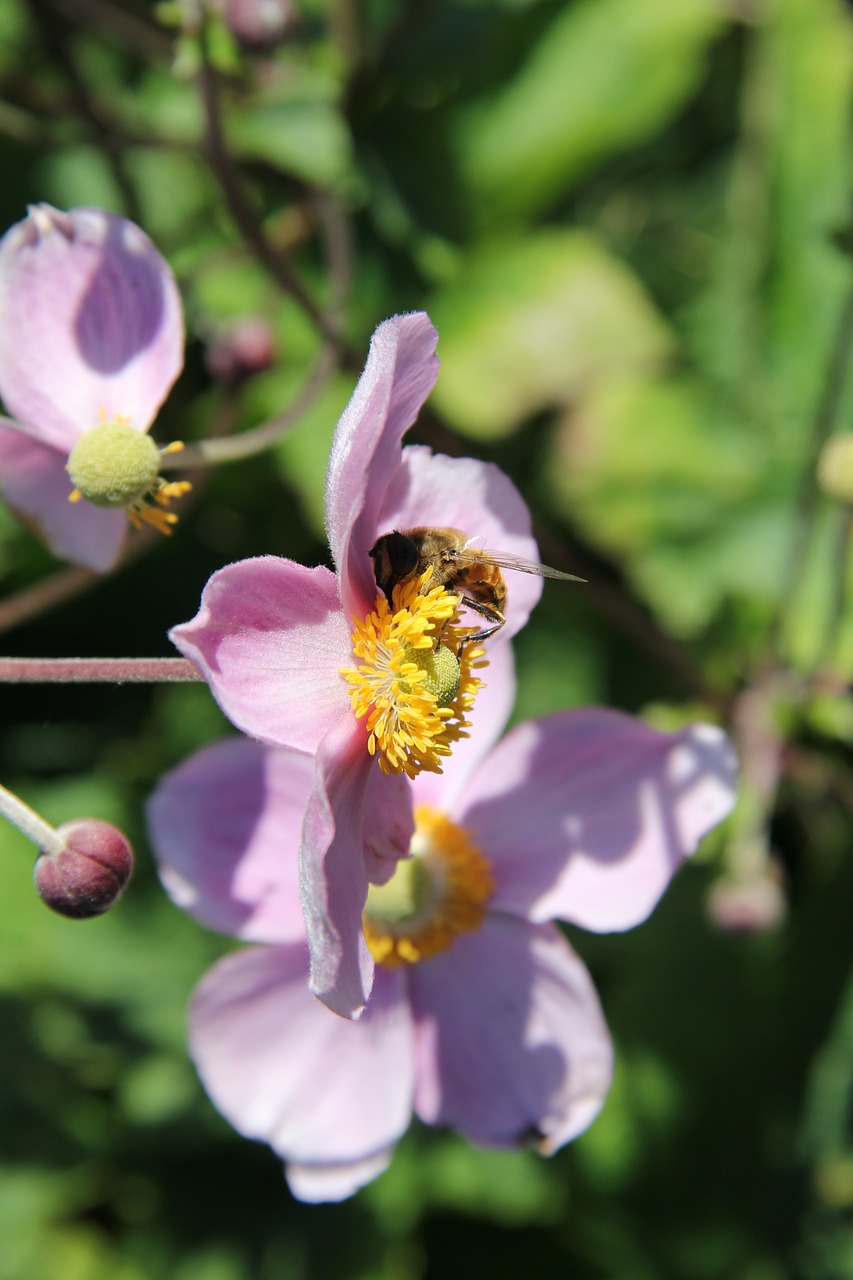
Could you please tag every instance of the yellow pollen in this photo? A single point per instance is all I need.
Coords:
(437, 893)
(410, 725)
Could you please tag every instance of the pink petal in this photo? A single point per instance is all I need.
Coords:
(225, 828)
(322, 1183)
(321, 1090)
(400, 372)
(270, 639)
(332, 870)
(512, 1048)
(35, 484)
(477, 498)
(388, 823)
(90, 323)
(586, 815)
(448, 789)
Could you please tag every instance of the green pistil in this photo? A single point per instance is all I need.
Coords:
(404, 895)
(114, 465)
(441, 669)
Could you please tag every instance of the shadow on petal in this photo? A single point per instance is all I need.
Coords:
(124, 306)
(512, 1046)
(585, 816)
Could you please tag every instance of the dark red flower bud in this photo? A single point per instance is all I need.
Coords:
(242, 349)
(260, 24)
(752, 905)
(90, 873)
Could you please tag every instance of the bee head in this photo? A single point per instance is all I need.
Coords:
(395, 558)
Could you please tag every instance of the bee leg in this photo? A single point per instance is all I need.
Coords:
(486, 611)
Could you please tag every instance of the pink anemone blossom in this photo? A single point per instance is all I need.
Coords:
(322, 663)
(91, 333)
(482, 1017)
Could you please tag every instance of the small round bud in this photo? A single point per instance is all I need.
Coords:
(114, 465)
(90, 873)
(259, 24)
(241, 350)
(835, 467)
(747, 906)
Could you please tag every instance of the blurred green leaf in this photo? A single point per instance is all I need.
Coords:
(605, 73)
(508, 1187)
(659, 474)
(538, 321)
(302, 455)
(305, 138)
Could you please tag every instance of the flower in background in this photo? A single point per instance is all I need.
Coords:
(91, 340)
(481, 1016)
(322, 663)
(259, 24)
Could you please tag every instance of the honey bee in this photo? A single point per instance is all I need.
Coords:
(473, 573)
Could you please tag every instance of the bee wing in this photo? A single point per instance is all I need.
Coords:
(472, 555)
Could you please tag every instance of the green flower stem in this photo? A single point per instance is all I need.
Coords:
(210, 452)
(835, 378)
(29, 823)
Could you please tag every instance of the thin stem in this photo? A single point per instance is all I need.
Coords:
(137, 35)
(29, 823)
(97, 671)
(31, 602)
(838, 607)
(248, 443)
(825, 415)
(240, 208)
(92, 113)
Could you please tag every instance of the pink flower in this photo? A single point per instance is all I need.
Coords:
(91, 334)
(481, 1017)
(273, 639)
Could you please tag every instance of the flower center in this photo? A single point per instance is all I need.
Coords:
(438, 892)
(114, 465)
(415, 683)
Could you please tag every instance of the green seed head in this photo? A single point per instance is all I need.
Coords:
(442, 672)
(402, 897)
(114, 465)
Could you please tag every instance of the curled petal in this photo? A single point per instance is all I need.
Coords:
(225, 828)
(586, 815)
(476, 497)
(35, 484)
(512, 1048)
(270, 640)
(332, 871)
(322, 1091)
(91, 325)
(400, 372)
(388, 823)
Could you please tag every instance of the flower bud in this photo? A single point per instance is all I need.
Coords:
(751, 905)
(241, 350)
(835, 467)
(91, 871)
(259, 24)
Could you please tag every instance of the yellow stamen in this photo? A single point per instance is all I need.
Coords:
(411, 724)
(437, 893)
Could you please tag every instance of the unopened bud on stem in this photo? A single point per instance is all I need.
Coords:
(88, 873)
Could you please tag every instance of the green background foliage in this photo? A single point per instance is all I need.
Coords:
(631, 223)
